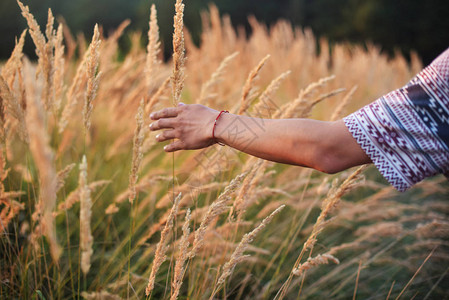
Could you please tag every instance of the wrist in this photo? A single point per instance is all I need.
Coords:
(222, 127)
(215, 125)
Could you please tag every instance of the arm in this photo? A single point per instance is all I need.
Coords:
(325, 146)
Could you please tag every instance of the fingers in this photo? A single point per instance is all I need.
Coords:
(162, 124)
(169, 112)
(166, 135)
(175, 146)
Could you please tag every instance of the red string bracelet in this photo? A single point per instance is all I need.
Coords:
(215, 125)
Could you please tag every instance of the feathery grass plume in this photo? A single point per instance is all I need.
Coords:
(48, 64)
(59, 68)
(331, 201)
(237, 256)
(102, 295)
(264, 108)
(14, 62)
(340, 108)
(62, 175)
(178, 75)
(11, 207)
(248, 92)
(153, 49)
(110, 46)
(216, 77)
(12, 106)
(74, 196)
(137, 152)
(86, 239)
(44, 159)
(93, 78)
(306, 110)
(10, 210)
(44, 51)
(214, 210)
(239, 203)
(181, 259)
(155, 98)
(302, 101)
(35, 32)
(161, 248)
(68, 38)
(111, 209)
(75, 90)
(320, 259)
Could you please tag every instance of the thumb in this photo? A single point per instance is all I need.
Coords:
(181, 103)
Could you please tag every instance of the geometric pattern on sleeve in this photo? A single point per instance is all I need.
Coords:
(406, 132)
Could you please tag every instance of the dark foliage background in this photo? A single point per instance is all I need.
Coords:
(402, 25)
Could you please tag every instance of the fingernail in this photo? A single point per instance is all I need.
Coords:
(151, 125)
(157, 136)
(165, 147)
(152, 115)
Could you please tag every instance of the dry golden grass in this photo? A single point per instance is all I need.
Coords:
(55, 223)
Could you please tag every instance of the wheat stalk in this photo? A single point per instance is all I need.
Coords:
(93, 78)
(86, 239)
(137, 152)
(330, 203)
(214, 210)
(161, 248)
(248, 91)
(237, 256)
(153, 49)
(11, 105)
(59, 68)
(267, 95)
(320, 259)
(215, 79)
(178, 53)
(14, 62)
(62, 176)
(180, 267)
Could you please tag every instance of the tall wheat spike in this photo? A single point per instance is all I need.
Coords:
(178, 75)
(264, 107)
(248, 89)
(93, 78)
(74, 91)
(161, 248)
(237, 256)
(320, 259)
(153, 49)
(215, 79)
(86, 239)
(180, 267)
(214, 210)
(14, 62)
(12, 106)
(331, 201)
(137, 152)
(59, 68)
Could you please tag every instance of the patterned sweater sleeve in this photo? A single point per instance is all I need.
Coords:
(406, 132)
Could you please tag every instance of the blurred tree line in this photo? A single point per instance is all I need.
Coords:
(392, 24)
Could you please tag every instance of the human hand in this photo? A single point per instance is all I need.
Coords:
(191, 126)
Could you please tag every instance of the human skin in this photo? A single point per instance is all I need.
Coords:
(325, 146)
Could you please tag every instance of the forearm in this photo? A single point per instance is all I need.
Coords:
(325, 146)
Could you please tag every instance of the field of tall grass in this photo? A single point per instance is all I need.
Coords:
(92, 207)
